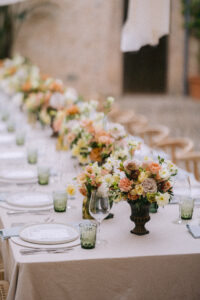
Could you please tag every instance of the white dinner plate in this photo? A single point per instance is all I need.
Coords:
(49, 234)
(6, 138)
(18, 175)
(22, 243)
(2, 126)
(30, 200)
(12, 154)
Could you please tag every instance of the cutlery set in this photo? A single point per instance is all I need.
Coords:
(31, 251)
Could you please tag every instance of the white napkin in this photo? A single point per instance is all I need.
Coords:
(6, 233)
(194, 230)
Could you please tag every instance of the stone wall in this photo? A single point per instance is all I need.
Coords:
(79, 42)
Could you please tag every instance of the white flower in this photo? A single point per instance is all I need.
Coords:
(171, 167)
(96, 168)
(164, 173)
(162, 199)
(117, 130)
(57, 100)
(103, 190)
(71, 94)
(110, 100)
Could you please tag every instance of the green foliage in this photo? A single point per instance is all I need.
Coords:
(194, 11)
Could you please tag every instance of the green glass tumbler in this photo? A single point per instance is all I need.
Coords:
(32, 156)
(60, 201)
(43, 175)
(88, 232)
(186, 207)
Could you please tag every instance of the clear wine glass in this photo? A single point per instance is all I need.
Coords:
(182, 191)
(99, 208)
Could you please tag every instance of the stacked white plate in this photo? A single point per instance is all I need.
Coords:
(18, 176)
(12, 155)
(6, 138)
(49, 234)
(2, 126)
(29, 200)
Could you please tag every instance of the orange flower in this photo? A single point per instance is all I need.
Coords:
(166, 186)
(154, 168)
(83, 191)
(12, 70)
(56, 87)
(73, 110)
(26, 87)
(95, 154)
(132, 197)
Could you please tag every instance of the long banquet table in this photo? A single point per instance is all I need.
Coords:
(161, 265)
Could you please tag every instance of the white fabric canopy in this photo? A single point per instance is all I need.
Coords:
(147, 21)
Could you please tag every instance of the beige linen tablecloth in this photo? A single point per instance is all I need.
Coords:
(161, 265)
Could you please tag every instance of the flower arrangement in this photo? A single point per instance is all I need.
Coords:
(131, 180)
(147, 182)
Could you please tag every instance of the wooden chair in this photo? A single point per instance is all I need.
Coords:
(138, 122)
(1, 270)
(152, 135)
(192, 163)
(115, 112)
(125, 118)
(176, 147)
(4, 286)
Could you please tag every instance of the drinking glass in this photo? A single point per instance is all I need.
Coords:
(10, 126)
(182, 190)
(43, 175)
(20, 137)
(88, 235)
(60, 201)
(32, 155)
(99, 208)
(186, 207)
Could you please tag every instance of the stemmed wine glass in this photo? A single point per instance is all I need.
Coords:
(183, 185)
(99, 209)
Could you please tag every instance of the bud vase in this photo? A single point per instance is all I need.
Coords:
(86, 212)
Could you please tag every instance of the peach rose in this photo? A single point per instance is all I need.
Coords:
(70, 137)
(73, 110)
(154, 168)
(125, 185)
(104, 140)
(88, 170)
(81, 177)
(57, 125)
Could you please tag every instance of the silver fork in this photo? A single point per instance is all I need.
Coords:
(35, 212)
(45, 250)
